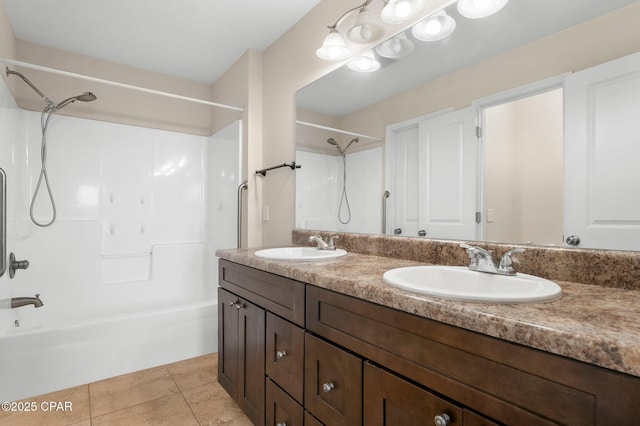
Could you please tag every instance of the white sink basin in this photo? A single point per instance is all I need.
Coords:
(458, 282)
(299, 253)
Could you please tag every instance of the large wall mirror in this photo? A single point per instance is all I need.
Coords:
(514, 128)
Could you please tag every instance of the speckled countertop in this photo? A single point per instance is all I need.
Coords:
(595, 324)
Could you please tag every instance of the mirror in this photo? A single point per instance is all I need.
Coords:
(481, 59)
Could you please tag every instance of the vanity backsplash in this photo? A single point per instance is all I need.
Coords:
(608, 268)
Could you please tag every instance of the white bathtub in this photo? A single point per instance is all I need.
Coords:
(90, 330)
(37, 359)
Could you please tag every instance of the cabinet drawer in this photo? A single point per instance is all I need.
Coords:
(473, 419)
(390, 400)
(508, 382)
(282, 296)
(285, 355)
(309, 420)
(333, 383)
(281, 408)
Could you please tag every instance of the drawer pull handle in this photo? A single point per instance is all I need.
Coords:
(328, 387)
(281, 354)
(442, 420)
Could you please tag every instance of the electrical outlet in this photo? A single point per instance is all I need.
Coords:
(265, 213)
(491, 217)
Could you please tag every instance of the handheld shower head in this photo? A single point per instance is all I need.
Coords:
(332, 141)
(84, 97)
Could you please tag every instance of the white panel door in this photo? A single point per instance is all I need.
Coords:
(602, 155)
(448, 155)
(403, 164)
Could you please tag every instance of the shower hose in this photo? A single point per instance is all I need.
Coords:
(47, 112)
(344, 198)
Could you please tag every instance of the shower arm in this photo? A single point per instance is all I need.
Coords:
(26, 80)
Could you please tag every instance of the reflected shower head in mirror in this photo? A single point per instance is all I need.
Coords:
(332, 141)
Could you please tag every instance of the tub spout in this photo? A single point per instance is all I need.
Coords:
(17, 302)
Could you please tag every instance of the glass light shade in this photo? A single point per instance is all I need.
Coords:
(365, 30)
(365, 62)
(333, 48)
(435, 27)
(475, 9)
(395, 48)
(399, 11)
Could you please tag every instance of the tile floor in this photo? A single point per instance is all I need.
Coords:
(184, 393)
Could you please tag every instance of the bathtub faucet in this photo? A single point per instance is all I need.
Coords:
(17, 302)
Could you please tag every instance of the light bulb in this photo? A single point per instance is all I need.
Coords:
(403, 9)
(399, 11)
(475, 9)
(482, 4)
(433, 27)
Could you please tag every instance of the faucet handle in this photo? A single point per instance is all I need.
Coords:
(332, 245)
(506, 263)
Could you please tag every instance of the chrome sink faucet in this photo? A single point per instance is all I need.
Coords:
(321, 245)
(482, 260)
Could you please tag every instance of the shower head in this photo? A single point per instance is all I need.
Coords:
(84, 97)
(332, 141)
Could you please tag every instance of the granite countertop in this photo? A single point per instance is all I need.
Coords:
(590, 323)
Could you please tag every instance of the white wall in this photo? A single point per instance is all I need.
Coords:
(139, 213)
(319, 191)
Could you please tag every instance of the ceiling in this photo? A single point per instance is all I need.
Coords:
(521, 21)
(197, 40)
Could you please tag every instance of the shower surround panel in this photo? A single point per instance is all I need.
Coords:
(126, 271)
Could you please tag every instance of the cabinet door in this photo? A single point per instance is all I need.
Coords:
(228, 357)
(281, 408)
(390, 400)
(333, 383)
(251, 377)
(285, 355)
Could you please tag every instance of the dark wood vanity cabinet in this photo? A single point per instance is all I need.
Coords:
(353, 362)
(241, 368)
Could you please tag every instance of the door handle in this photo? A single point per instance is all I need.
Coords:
(573, 240)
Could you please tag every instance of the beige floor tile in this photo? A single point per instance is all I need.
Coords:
(240, 421)
(212, 405)
(130, 389)
(195, 372)
(170, 410)
(64, 407)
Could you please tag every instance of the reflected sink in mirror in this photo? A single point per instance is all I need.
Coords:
(458, 282)
(299, 253)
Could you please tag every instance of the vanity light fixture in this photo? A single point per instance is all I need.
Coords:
(435, 27)
(396, 47)
(365, 30)
(399, 11)
(334, 47)
(475, 9)
(364, 62)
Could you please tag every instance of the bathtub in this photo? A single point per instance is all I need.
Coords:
(88, 329)
(37, 359)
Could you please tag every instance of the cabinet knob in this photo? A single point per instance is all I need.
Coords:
(328, 387)
(281, 354)
(442, 420)
(231, 303)
(240, 305)
(281, 424)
